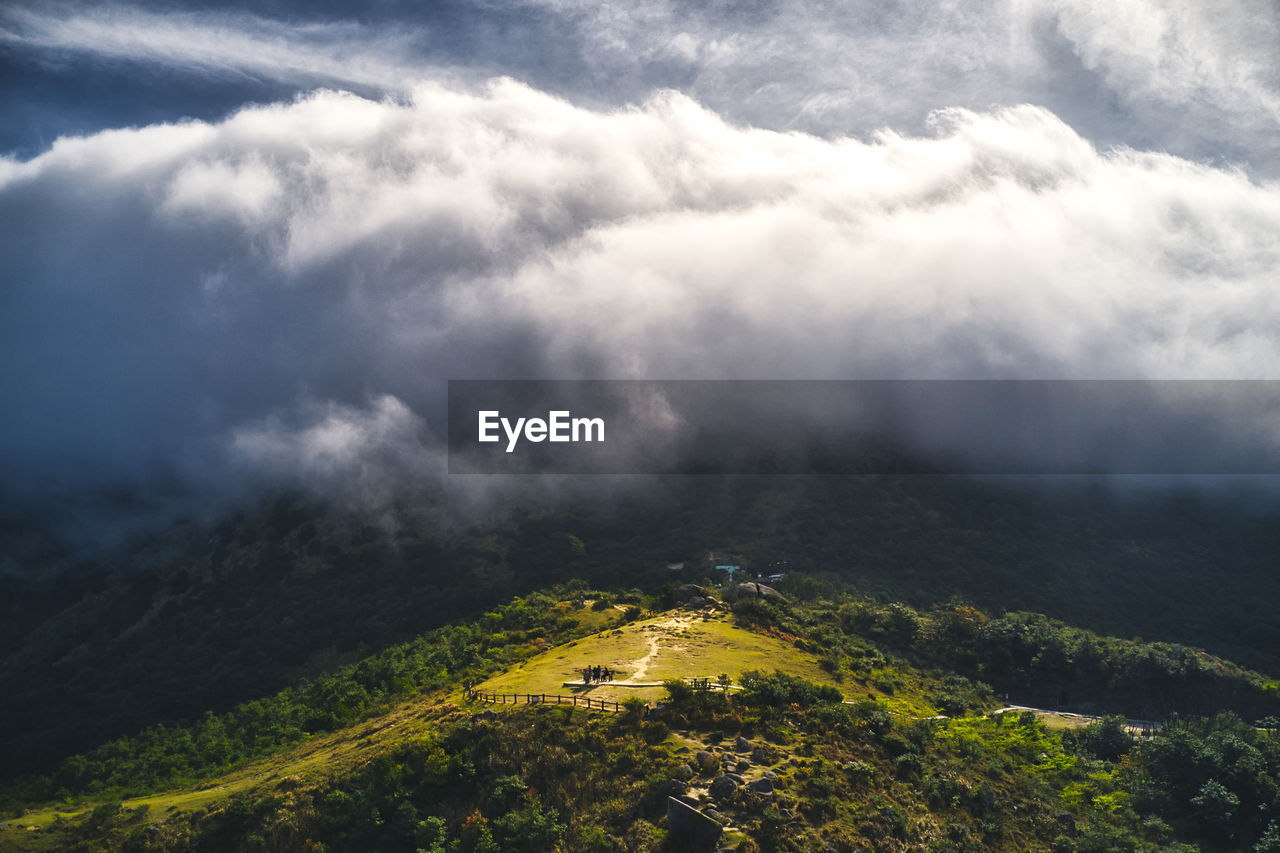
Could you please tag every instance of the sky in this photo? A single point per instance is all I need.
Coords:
(247, 244)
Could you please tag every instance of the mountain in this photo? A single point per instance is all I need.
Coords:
(202, 617)
(831, 722)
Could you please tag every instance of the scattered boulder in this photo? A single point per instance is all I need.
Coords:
(684, 772)
(750, 589)
(761, 786)
(690, 827)
(764, 755)
(707, 762)
(722, 787)
(687, 592)
(672, 788)
(742, 745)
(742, 766)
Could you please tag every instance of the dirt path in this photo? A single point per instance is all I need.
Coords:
(639, 667)
(1133, 727)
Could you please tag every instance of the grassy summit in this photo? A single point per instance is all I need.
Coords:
(852, 724)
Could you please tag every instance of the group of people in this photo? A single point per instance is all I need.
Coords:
(596, 674)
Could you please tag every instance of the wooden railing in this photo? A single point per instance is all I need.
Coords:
(544, 699)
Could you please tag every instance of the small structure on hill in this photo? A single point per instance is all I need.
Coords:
(730, 568)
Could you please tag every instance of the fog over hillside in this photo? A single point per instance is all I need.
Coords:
(246, 248)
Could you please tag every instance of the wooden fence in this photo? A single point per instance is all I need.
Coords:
(545, 699)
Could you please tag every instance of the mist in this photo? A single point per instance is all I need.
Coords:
(264, 277)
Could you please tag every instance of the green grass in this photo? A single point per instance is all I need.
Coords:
(676, 644)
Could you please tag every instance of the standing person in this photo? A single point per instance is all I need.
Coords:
(586, 675)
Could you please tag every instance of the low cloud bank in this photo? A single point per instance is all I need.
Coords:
(285, 292)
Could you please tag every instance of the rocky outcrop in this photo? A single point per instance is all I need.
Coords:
(751, 589)
(690, 828)
(693, 597)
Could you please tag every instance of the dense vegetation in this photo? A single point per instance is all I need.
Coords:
(164, 756)
(293, 590)
(1033, 659)
(845, 777)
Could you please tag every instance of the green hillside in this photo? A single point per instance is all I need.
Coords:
(288, 591)
(848, 724)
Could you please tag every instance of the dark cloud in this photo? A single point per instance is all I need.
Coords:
(277, 292)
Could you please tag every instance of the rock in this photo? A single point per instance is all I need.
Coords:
(750, 589)
(684, 772)
(722, 787)
(742, 745)
(736, 778)
(686, 592)
(707, 762)
(742, 766)
(761, 786)
(716, 816)
(763, 755)
(988, 798)
(690, 827)
(770, 775)
(672, 788)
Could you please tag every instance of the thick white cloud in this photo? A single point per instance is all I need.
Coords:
(296, 282)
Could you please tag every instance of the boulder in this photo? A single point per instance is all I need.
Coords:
(707, 762)
(751, 589)
(690, 828)
(742, 745)
(673, 788)
(761, 786)
(722, 787)
(687, 592)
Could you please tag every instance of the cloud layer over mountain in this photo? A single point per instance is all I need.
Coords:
(896, 192)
